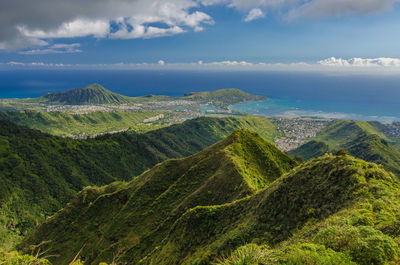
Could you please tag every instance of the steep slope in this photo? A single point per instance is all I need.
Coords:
(65, 124)
(134, 218)
(41, 173)
(361, 139)
(92, 94)
(333, 207)
(331, 210)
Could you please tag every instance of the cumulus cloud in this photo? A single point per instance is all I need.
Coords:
(360, 62)
(254, 14)
(32, 23)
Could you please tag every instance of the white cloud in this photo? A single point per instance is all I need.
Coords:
(254, 14)
(32, 23)
(76, 28)
(329, 66)
(360, 62)
(56, 48)
(36, 64)
(231, 63)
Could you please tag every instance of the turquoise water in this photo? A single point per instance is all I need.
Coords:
(274, 107)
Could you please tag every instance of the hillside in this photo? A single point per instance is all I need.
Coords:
(223, 98)
(361, 139)
(65, 124)
(92, 94)
(144, 210)
(41, 173)
(332, 210)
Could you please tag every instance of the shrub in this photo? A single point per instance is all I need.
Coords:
(306, 253)
(15, 258)
(250, 254)
(365, 244)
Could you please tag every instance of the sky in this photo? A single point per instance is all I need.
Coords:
(200, 33)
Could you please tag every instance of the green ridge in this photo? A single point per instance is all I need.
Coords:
(362, 139)
(331, 210)
(41, 173)
(137, 216)
(61, 123)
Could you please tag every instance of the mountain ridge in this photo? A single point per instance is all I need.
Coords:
(360, 139)
(150, 204)
(41, 173)
(308, 208)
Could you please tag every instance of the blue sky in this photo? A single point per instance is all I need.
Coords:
(287, 31)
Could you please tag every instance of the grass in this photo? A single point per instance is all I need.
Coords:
(362, 139)
(65, 124)
(145, 209)
(41, 173)
(198, 210)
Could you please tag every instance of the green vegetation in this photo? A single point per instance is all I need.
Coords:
(144, 210)
(361, 139)
(64, 124)
(92, 94)
(223, 98)
(331, 210)
(41, 173)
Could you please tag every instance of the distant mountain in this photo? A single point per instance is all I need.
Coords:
(224, 97)
(92, 94)
(138, 216)
(96, 94)
(361, 139)
(41, 173)
(197, 210)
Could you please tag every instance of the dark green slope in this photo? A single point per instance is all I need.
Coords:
(134, 218)
(92, 94)
(40, 173)
(360, 139)
(333, 204)
(68, 124)
(331, 210)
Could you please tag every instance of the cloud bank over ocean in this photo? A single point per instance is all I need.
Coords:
(353, 65)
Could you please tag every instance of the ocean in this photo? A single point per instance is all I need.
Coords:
(291, 94)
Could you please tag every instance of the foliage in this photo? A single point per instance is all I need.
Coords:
(15, 258)
(65, 124)
(361, 139)
(250, 254)
(144, 210)
(41, 173)
(364, 243)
